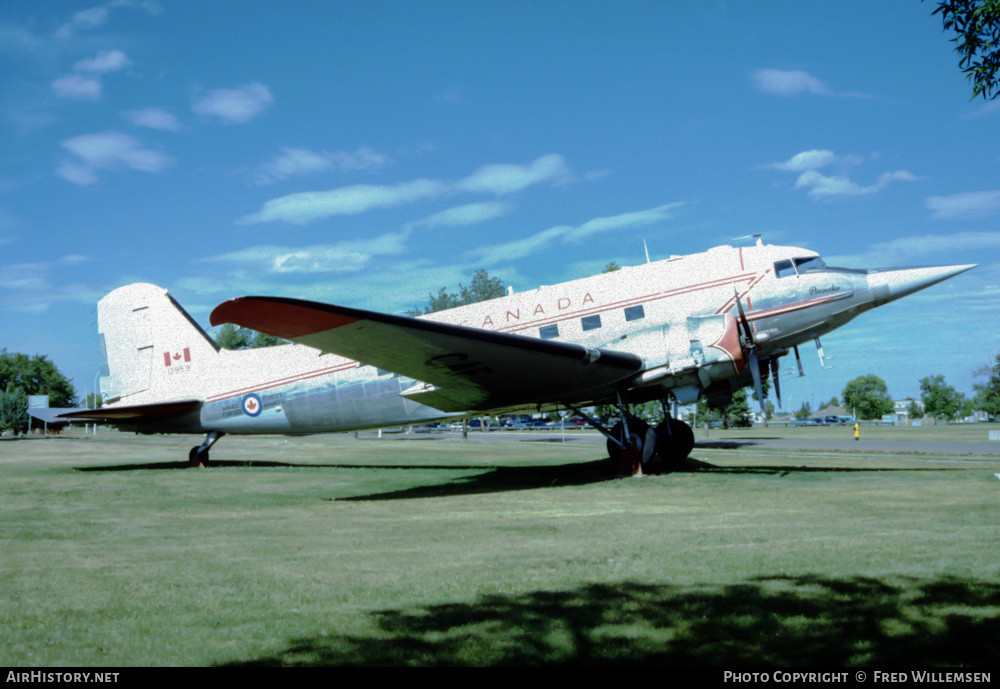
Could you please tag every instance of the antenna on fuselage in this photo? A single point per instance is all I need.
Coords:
(756, 237)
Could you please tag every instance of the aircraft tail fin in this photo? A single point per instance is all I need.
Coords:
(154, 351)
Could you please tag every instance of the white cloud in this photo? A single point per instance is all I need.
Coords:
(807, 160)
(96, 16)
(234, 106)
(26, 288)
(82, 20)
(461, 216)
(508, 178)
(305, 207)
(623, 221)
(820, 185)
(88, 86)
(78, 173)
(104, 62)
(299, 161)
(108, 151)
(153, 118)
(789, 83)
(907, 250)
(988, 109)
(967, 206)
(520, 248)
(77, 87)
(347, 256)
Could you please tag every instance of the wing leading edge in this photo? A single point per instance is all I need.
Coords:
(463, 369)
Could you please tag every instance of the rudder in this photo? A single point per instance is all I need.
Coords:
(154, 351)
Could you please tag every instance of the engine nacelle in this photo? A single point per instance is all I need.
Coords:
(691, 354)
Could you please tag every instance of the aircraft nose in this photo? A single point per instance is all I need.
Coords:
(889, 284)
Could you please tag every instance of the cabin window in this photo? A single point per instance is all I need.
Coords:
(591, 322)
(784, 269)
(634, 313)
(549, 331)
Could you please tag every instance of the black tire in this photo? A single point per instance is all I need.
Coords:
(197, 460)
(646, 435)
(674, 444)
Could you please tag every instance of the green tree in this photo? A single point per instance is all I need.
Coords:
(988, 394)
(976, 24)
(13, 410)
(868, 397)
(93, 403)
(834, 402)
(914, 411)
(941, 401)
(233, 337)
(804, 412)
(35, 375)
(769, 410)
(482, 288)
(735, 413)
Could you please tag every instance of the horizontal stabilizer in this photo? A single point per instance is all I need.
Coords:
(161, 411)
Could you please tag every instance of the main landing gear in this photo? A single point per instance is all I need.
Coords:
(636, 448)
(198, 456)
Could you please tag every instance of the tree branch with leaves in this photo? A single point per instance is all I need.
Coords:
(976, 24)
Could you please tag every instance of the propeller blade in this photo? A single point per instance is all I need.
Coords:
(755, 371)
(798, 360)
(744, 323)
(774, 377)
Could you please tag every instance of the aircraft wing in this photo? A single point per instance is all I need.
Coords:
(463, 369)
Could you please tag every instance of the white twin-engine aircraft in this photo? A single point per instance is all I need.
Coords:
(695, 326)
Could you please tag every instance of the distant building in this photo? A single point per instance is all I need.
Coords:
(902, 408)
(832, 410)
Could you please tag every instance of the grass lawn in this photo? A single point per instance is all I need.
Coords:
(433, 551)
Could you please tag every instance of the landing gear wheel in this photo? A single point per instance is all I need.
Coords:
(196, 459)
(641, 441)
(675, 440)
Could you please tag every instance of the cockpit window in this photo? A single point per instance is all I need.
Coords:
(807, 264)
(784, 269)
(813, 264)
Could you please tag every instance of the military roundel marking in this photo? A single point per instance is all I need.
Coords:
(252, 404)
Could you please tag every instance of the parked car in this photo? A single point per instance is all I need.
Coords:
(807, 422)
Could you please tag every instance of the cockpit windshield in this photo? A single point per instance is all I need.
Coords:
(798, 266)
(812, 264)
(807, 264)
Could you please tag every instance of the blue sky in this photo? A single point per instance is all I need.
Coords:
(368, 154)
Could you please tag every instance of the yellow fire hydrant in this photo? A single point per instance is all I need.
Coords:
(857, 431)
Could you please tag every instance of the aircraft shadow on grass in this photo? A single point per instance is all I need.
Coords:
(778, 621)
(499, 479)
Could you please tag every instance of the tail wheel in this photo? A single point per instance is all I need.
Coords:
(197, 459)
(675, 440)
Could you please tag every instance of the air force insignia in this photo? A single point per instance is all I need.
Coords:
(252, 404)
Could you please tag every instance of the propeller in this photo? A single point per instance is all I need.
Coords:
(774, 377)
(750, 345)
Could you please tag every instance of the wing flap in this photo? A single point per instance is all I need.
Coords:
(472, 369)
